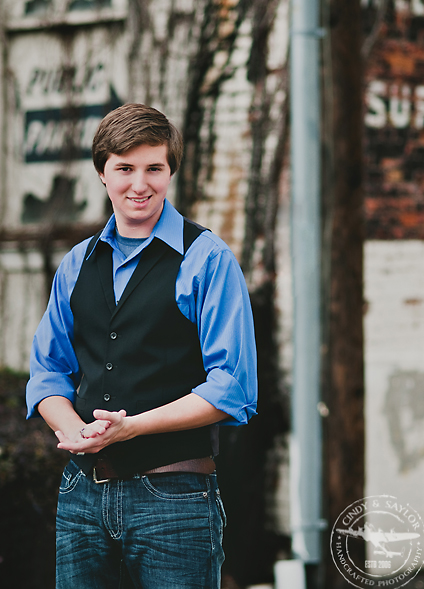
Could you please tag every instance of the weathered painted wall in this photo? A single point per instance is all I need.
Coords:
(394, 287)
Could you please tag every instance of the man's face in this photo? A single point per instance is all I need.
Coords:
(137, 182)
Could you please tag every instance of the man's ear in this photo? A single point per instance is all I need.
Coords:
(102, 178)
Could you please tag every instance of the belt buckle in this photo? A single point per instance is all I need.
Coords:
(96, 480)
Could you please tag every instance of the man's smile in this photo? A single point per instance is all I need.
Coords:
(140, 199)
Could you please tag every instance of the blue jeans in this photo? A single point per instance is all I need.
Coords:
(161, 531)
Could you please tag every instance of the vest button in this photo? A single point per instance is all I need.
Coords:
(106, 397)
(109, 366)
(113, 335)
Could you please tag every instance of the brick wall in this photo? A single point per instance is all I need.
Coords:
(394, 119)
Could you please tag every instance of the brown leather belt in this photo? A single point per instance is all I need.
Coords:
(103, 470)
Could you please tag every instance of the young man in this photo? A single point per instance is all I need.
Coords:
(146, 344)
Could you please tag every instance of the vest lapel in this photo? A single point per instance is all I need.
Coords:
(105, 267)
(149, 258)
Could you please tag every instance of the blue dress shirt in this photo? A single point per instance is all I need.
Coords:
(210, 291)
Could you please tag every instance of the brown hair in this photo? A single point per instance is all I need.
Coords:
(132, 125)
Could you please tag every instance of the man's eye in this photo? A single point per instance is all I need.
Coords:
(125, 169)
(154, 169)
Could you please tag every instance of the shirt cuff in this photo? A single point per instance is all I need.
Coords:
(224, 392)
(47, 384)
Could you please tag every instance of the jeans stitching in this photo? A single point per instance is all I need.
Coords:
(212, 536)
(115, 533)
(221, 511)
(210, 515)
(71, 482)
(105, 506)
(120, 501)
(171, 496)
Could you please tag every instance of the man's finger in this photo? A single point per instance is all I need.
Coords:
(112, 416)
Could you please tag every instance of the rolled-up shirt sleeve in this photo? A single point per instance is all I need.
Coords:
(54, 368)
(219, 303)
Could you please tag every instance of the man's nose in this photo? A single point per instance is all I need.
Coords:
(139, 184)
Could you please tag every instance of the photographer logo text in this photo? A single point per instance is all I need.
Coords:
(392, 532)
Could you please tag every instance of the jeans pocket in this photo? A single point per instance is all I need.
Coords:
(181, 487)
(71, 475)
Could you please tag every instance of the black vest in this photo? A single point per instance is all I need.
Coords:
(138, 354)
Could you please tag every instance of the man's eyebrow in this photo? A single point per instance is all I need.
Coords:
(123, 163)
(156, 165)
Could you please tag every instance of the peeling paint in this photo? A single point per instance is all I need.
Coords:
(404, 408)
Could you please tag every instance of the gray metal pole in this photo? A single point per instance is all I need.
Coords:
(306, 442)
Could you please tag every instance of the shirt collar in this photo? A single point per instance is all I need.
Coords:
(169, 229)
